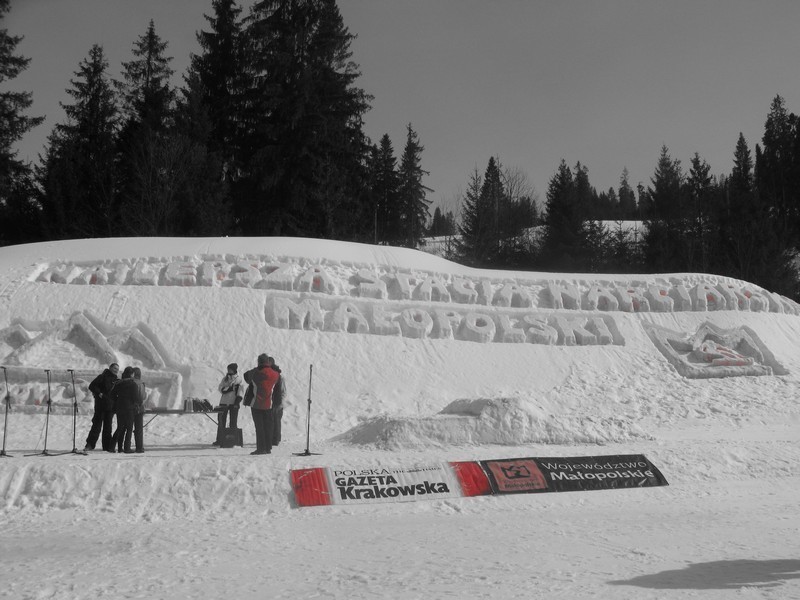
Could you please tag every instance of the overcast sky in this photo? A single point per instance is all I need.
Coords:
(604, 82)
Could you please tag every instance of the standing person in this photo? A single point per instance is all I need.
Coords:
(278, 394)
(103, 418)
(125, 395)
(231, 389)
(138, 411)
(263, 378)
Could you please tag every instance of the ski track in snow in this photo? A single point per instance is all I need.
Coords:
(186, 520)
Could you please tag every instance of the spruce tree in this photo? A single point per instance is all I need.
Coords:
(564, 231)
(385, 184)
(77, 176)
(627, 198)
(304, 150)
(412, 193)
(471, 247)
(18, 211)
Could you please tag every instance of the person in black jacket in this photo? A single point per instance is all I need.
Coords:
(138, 411)
(125, 395)
(103, 418)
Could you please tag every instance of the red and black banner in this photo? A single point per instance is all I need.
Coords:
(322, 486)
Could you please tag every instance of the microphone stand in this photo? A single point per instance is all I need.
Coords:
(44, 452)
(74, 416)
(3, 452)
(308, 418)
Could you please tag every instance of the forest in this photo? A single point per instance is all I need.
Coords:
(264, 137)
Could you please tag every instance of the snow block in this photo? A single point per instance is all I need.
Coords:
(512, 295)
(60, 273)
(246, 273)
(369, 285)
(600, 298)
(572, 331)
(706, 297)
(631, 299)
(383, 322)
(135, 343)
(118, 273)
(347, 318)
(316, 279)
(213, 273)
(463, 291)
(485, 292)
(539, 332)
(416, 323)
(399, 286)
(92, 276)
(659, 299)
(564, 296)
(277, 276)
(477, 328)
(445, 323)
(285, 313)
(182, 273)
(509, 332)
(145, 274)
(432, 289)
(599, 328)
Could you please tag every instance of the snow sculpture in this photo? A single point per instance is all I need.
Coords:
(571, 331)
(599, 328)
(400, 286)
(182, 273)
(416, 323)
(382, 322)
(631, 299)
(600, 298)
(369, 285)
(213, 273)
(706, 297)
(485, 293)
(659, 299)
(277, 276)
(463, 291)
(347, 318)
(445, 323)
(92, 276)
(477, 328)
(287, 314)
(715, 352)
(564, 296)
(63, 273)
(734, 299)
(514, 295)
(432, 289)
(539, 332)
(508, 332)
(133, 342)
(118, 275)
(246, 273)
(316, 279)
(144, 274)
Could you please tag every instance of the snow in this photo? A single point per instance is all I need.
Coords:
(409, 360)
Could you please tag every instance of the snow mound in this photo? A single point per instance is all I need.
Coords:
(503, 421)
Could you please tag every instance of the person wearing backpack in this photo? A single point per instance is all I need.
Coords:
(278, 394)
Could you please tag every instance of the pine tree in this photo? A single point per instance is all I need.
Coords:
(304, 149)
(664, 229)
(564, 225)
(412, 193)
(77, 176)
(627, 198)
(385, 193)
(472, 245)
(18, 211)
(700, 185)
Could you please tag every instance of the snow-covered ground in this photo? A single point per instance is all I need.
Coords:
(416, 361)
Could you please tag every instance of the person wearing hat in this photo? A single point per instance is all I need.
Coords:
(230, 387)
(263, 379)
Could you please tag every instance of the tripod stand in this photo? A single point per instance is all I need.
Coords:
(5, 419)
(44, 452)
(74, 416)
(308, 418)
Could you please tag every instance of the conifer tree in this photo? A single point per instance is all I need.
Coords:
(385, 184)
(414, 213)
(564, 231)
(627, 197)
(472, 244)
(77, 177)
(304, 149)
(18, 211)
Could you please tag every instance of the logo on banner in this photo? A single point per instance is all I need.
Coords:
(517, 476)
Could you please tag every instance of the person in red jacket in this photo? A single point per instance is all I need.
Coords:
(263, 379)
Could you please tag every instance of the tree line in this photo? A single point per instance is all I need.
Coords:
(265, 137)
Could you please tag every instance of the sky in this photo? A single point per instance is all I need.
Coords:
(606, 83)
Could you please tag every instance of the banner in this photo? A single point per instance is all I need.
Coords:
(325, 486)
(575, 473)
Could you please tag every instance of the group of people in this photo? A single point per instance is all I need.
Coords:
(264, 392)
(123, 398)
